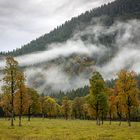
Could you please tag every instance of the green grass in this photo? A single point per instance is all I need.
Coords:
(55, 129)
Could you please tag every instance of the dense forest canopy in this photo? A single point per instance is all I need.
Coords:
(120, 9)
(75, 68)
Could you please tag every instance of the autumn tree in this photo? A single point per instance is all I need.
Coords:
(98, 97)
(86, 111)
(111, 104)
(21, 96)
(10, 82)
(51, 107)
(5, 104)
(58, 110)
(127, 89)
(42, 104)
(66, 107)
(77, 107)
(120, 109)
(32, 102)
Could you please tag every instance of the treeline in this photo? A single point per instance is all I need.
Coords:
(72, 94)
(98, 101)
(120, 9)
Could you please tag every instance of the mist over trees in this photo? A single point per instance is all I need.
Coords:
(74, 64)
(97, 102)
(120, 9)
(114, 100)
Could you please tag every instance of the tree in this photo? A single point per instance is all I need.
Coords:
(77, 107)
(42, 105)
(21, 96)
(10, 82)
(98, 97)
(86, 110)
(32, 102)
(119, 107)
(127, 88)
(124, 9)
(5, 104)
(66, 107)
(111, 104)
(51, 107)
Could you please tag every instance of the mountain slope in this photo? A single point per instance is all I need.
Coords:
(106, 39)
(120, 9)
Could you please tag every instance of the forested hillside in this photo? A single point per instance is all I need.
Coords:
(107, 33)
(120, 9)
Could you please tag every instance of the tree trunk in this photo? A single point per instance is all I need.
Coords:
(119, 114)
(129, 116)
(97, 115)
(43, 116)
(102, 118)
(97, 119)
(66, 116)
(110, 118)
(12, 100)
(29, 114)
(12, 110)
(120, 120)
(20, 115)
(20, 120)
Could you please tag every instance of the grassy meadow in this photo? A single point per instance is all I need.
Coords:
(57, 129)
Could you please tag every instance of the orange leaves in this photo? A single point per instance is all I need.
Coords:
(127, 92)
(127, 88)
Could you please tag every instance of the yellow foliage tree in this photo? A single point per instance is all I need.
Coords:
(66, 107)
(111, 104)
(51, 107)
(5, 104)
(10, 83)
(21, 96)
(128, 91)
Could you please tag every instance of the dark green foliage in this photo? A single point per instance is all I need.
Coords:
(120, 9)
(80, 92)
(138, 80)
(34, 101)
(110, 83)
(77, 108)
(98, 96)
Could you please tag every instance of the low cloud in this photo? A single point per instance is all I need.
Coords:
(128, 44)
(24, 20)
(126, 56)
(60, 50)
(53, 79)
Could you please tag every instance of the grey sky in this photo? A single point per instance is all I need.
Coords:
(24, 20)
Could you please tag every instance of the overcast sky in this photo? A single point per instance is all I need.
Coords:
(24, 20)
